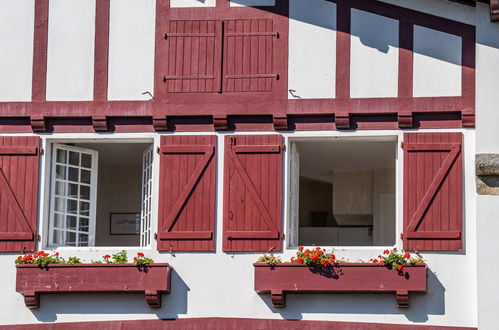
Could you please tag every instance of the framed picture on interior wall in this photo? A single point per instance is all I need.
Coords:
(125, 224)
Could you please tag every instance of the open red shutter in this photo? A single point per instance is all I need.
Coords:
(194, 56)
(433, 191)
(187, 193)
(252, 193)
(19, 158)
(249, 55)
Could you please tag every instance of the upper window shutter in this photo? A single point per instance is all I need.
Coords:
(433, 191)
(249, 48)
(253, 193)
(187, 193)
(19, 158)
(194, 56)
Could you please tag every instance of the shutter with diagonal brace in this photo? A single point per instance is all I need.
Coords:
(253, 193)
(19, 158)
(194, 56)
(249, 53)
(433, 191)
(186, 193)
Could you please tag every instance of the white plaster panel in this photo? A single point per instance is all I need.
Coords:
(16, 50)
(131, 49)
(70, 62)
(437, 63)
(312, 49)
(192, 3)
(239, 3)
(374, 55)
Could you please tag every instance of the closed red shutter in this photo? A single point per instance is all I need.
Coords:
(187, 193)
(253, 193)
(194, 56)
(249, 55)
(19, 158)
(433, 191)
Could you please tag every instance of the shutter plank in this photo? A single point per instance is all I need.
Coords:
(252, 193)
(187, 189)
(433, 191)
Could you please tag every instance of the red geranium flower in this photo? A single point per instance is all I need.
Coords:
(300, 248)
(381, 261)
(107, 256)
(134, 258)
(140, 254)
(394, 249)
(400, 267)
(292, 259)
(332, 256)
(300, 260)
(306, 253)
(57, 254)
(407, 255)
(324, 262)
(386, 252)
(375, 261)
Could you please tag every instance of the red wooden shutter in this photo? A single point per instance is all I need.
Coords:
(187, 193)
(433, 191)
(249, 55)
(19, 158)
(194, 56)
(252, 193)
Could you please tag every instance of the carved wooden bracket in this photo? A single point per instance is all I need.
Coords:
(38, 124)
(405, 120)
(100, 123)
(32, 299)
(160, 124)
(342, 121)
(280, 122)
(153, 299)
(220, 122)
(494, 10)
(278, 299)
(468, 120)
(403, 299)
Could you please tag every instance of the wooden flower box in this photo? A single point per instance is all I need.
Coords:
(152, 280)
(342, 278)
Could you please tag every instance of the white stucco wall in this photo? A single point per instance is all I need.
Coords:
(70, 54)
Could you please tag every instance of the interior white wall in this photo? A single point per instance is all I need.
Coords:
(312, 40)
(436, 63)
(131, 49)
(373, 55)
(70, 54)
(16, 51)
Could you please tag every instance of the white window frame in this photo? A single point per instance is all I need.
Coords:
(290, 140)
(44, 209)
(93, 191)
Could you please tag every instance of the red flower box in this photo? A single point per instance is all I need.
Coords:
(153, 280)
(342, 278)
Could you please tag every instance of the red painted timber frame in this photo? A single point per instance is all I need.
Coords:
(404, 111)
(153, 280)
(216, 323)
(341, 278)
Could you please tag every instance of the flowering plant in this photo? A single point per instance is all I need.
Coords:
(42, 259)
(396, 259)
(314, 258)
(269, 259)
(141, 260)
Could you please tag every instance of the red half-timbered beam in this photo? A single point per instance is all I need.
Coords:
(39, 79)
(101, 49)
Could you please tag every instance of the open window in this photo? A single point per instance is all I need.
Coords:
(342, 191)
(100, 194)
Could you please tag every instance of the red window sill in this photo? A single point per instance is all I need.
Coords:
(152, 280)
(343, 278)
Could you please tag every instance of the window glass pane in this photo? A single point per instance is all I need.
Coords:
(85, 176)
(60, 172)
(61, 156)
(86, 160)
(60, 188)
(71, 222)
(74, 158)
(58, 237)
(58, 220)
(73, 190)
(83, 240)
(59, 204)
(85, 192)
(83, 225)
(72, 206)
(70, 238)
(84, 208)
(72, 174)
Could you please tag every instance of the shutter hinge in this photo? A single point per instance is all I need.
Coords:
(401, 235)
(164, 79)
(156, 236)
(402, 144)
(277, 35)
(282, 235)
(37, 237)
(158, 150)
(41, 151)
(166, 35)
(283, 147)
